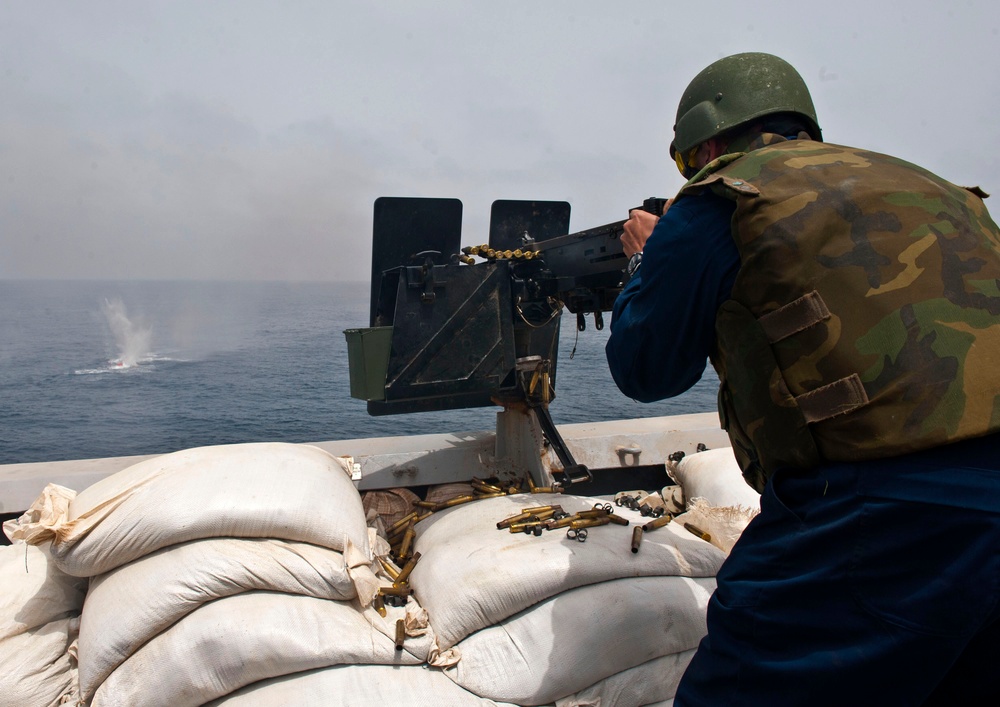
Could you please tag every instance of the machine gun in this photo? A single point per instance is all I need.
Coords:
(447, 332)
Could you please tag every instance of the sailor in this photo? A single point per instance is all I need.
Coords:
(850, 303)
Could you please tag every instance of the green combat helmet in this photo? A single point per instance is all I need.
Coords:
(737, 90)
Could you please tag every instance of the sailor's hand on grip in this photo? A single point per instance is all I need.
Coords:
(637, 229)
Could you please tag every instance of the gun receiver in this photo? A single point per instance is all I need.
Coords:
(589, 265)
(447, 332)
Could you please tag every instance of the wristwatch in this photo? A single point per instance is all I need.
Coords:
(633, 264)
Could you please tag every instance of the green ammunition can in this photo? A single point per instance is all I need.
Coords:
(368, 361)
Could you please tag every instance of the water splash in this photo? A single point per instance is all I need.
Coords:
(131, 338)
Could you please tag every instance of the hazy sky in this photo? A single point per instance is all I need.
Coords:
(248, 139)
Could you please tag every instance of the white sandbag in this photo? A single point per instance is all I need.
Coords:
(653, 684)
(272, 490)
(357, 686)
(568, 642)
(129, 605)
(37, 666)
(724, 525)
(39, 619)
(239, 640)
(420, 640)
(47, 513)
(715, 476)
(472, 575)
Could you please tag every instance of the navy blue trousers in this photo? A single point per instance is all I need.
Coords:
(873, 583)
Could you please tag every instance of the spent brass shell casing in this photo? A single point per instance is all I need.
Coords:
(636, 538)
(529, 518)
(548, 489)
(379, 604)
(407, 568)
(480, 497)
(593, 513)
(561, 523)
(395, 536)
(523, 527)
(390, 569)
(658, 523)
(484, 484)
(401, 523)
(396, 540)
(420, 517)
(518, 518)
(425, 504)
(531, 483)
(694, 529)
(617, 519)
(541, 509)
(400, 634)
(457, 501)
(589, 523)
(408, 537)
(395, 590)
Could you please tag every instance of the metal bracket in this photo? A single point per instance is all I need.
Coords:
(633, 452)
(573, 473)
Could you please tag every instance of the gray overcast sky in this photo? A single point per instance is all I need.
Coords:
(248, 139)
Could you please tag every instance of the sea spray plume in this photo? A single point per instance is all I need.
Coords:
(132, 339)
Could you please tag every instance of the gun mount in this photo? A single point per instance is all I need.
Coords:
(447, 332)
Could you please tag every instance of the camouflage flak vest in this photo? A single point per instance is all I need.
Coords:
(865, 318)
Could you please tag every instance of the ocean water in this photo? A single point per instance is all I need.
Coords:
(94, 369)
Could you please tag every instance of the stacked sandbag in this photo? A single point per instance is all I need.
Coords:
(219, 567)
(242, 639)
(540, 618)
(358, 686)
(718, 500)
(147, 598)
(651, 684)
(284, 491)
(39, 620)
(246, 573)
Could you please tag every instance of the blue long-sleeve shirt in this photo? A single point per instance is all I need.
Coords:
(663, 323)
(663, 330)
